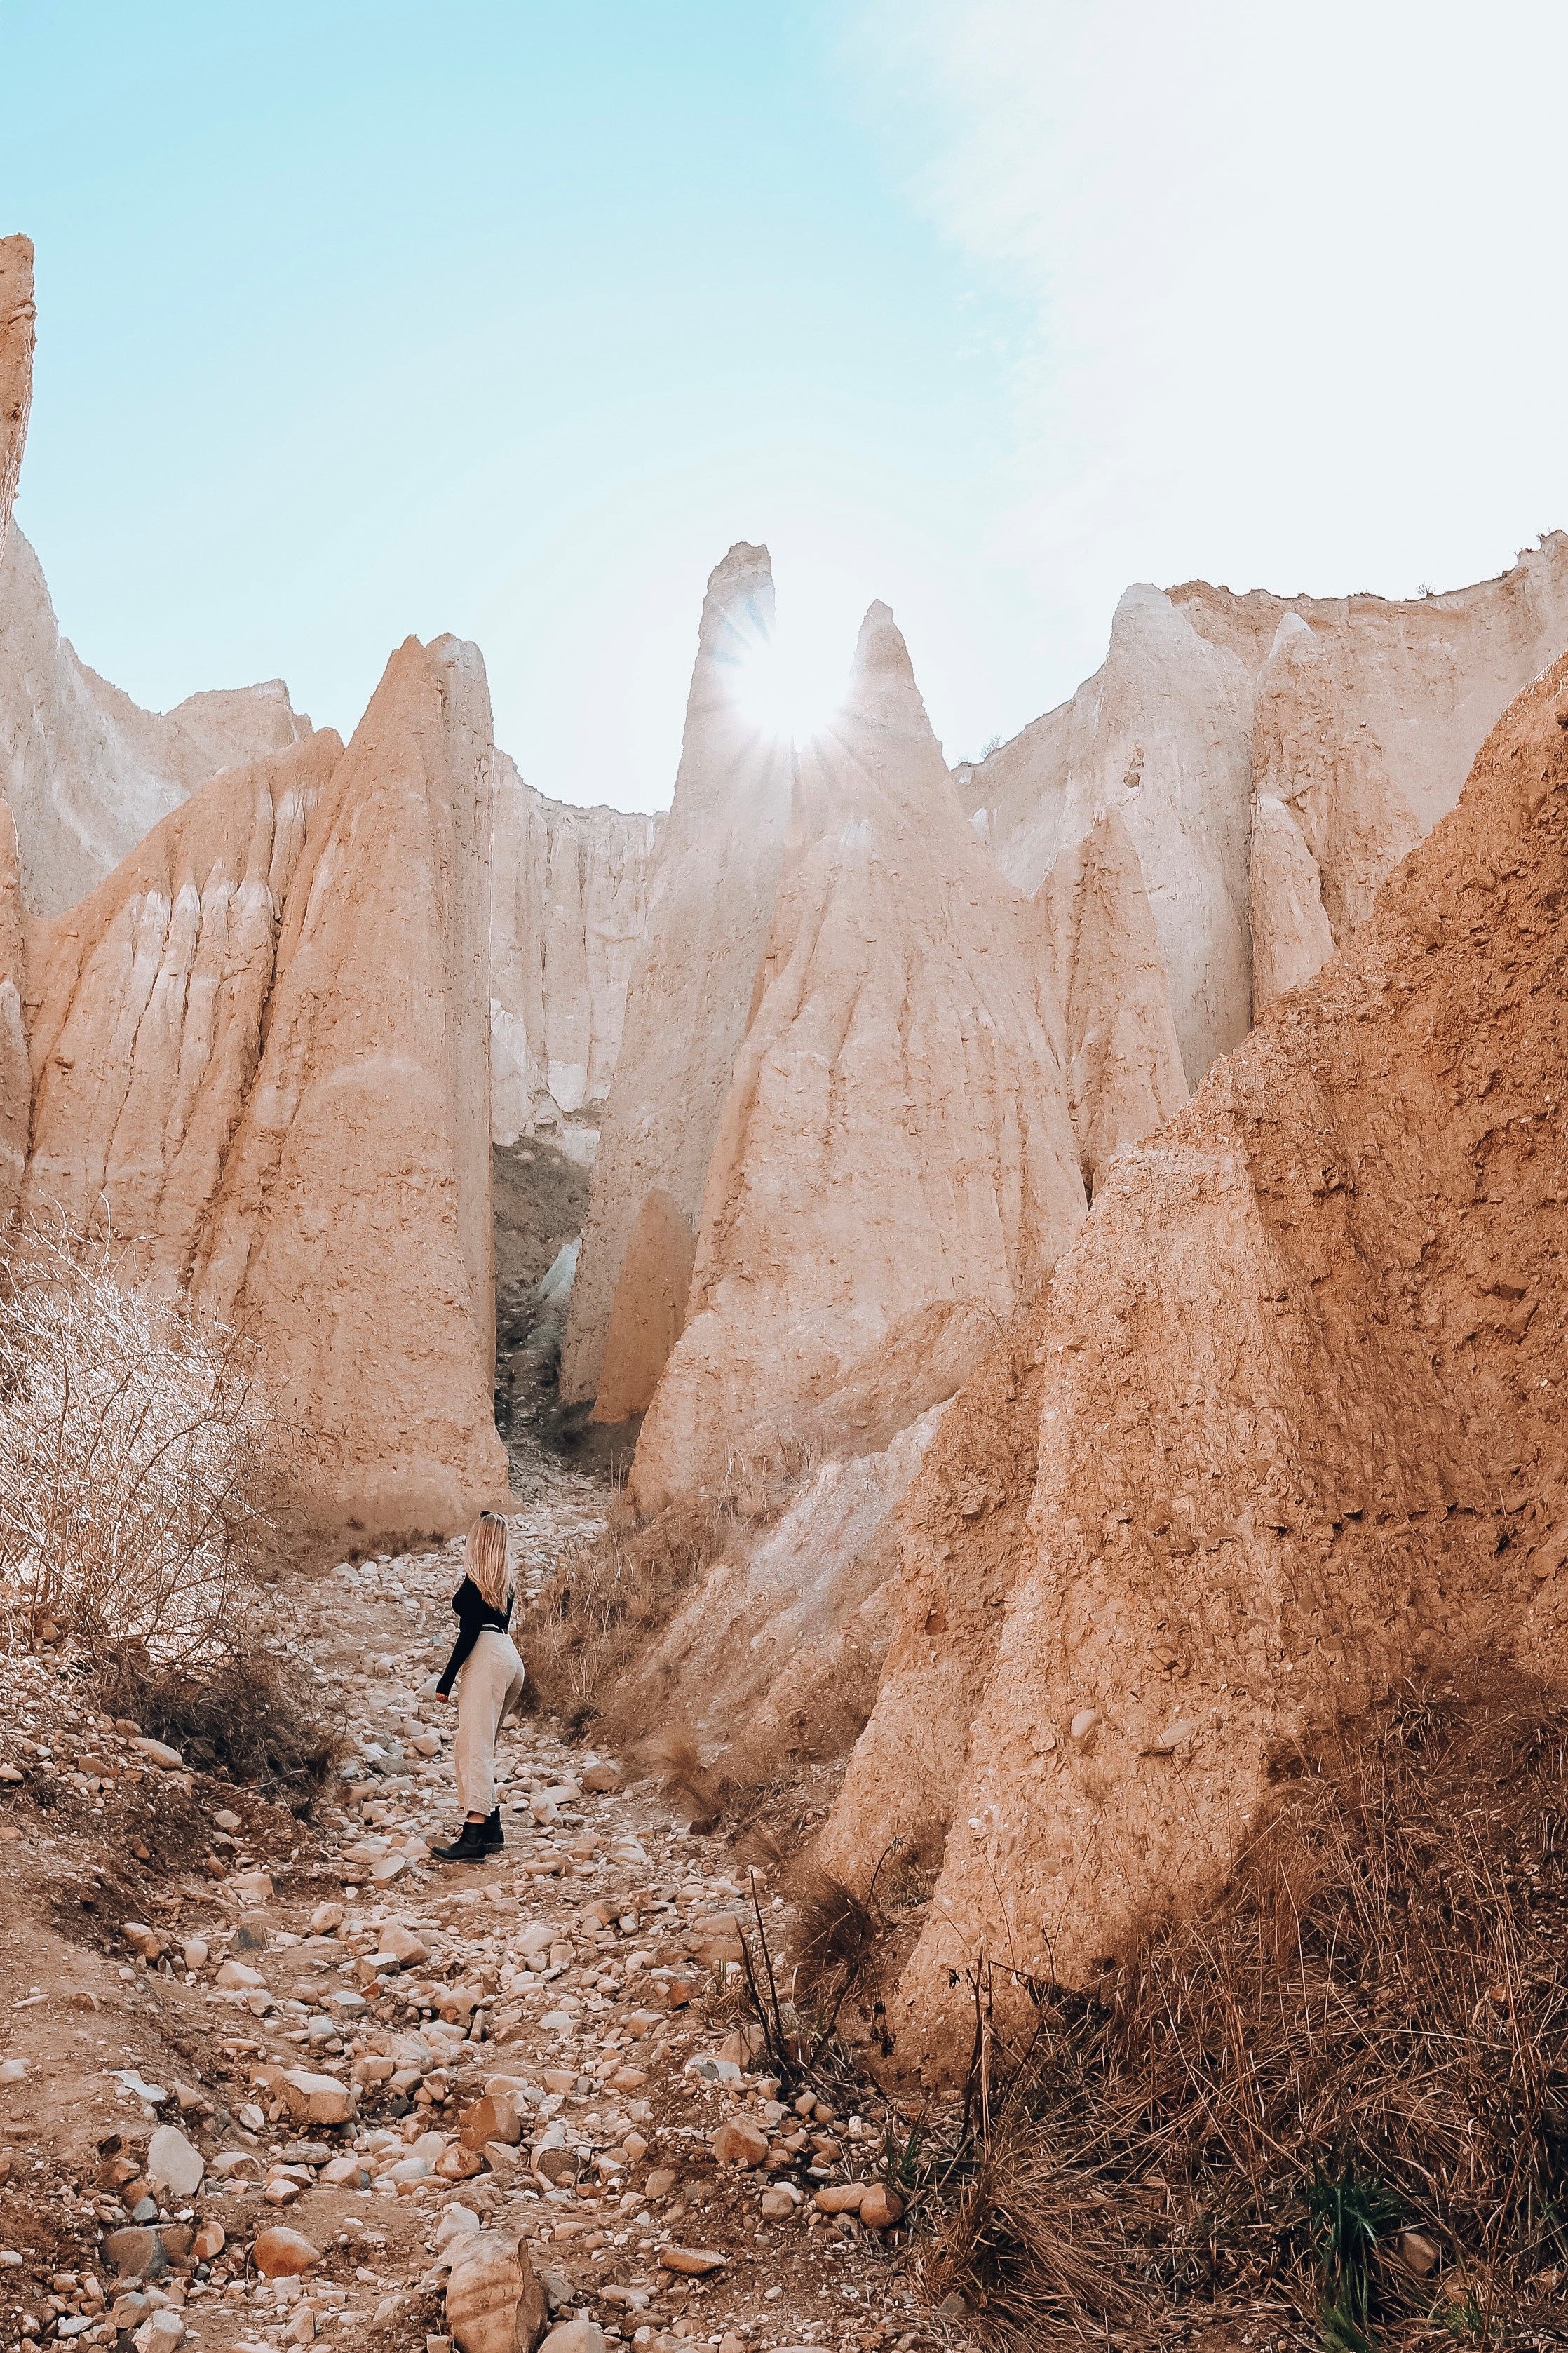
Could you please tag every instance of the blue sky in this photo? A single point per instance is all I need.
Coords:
(508, 318)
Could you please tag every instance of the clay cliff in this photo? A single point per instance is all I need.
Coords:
(260, 1054)
(1161, 738)
(1284, 1428)
(1124, 1059)
(16, 315)
(86, 771)
(710, 905)
(569, 909)
(1271, 760)
(895, 1133)
(1368, 715)
(17, 325)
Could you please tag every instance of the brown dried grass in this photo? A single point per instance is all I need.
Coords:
(835, 1931)
(1378, 1999)
(675, 1760)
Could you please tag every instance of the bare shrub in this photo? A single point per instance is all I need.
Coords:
(138, 1453)
(760, 1847)
(1365, 2033)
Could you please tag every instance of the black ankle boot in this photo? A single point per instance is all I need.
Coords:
(468, 1846)
(493, 1836)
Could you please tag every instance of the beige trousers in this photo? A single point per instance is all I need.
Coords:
(489, 1685)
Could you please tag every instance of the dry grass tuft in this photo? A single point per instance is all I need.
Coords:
(760, 1848)
(1028, 2242)
(835, 1931)
(675, 1760)
(1365, 2033)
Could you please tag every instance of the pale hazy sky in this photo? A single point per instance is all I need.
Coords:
(357, 319)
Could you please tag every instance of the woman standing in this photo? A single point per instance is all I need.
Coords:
(489, 1674)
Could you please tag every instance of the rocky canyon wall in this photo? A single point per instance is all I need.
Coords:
(1284, 1428)
(569, 910)
(17, 321)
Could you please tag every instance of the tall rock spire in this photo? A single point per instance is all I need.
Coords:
(896, 1135)
(710, 905)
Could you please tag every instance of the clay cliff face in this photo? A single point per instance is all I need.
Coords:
(1289, 1425)
(17, 325)
(710, 904)
(895, 1133)
(1124, 1060)
(1369, 712)
(1161, 738)
(86, 771)
(1271, 759)
(260, 1052)
(15, 395)
(569, 910)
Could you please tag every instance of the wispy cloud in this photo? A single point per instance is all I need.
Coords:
(1291, 281)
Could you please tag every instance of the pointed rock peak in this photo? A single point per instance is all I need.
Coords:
(881, 644)
(882, 685)
(738, 610)
(1145, 622)
(1292, 636)
(743, 565)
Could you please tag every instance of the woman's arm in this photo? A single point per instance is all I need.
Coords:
(469, 1608)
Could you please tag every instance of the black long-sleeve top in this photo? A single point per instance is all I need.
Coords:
(474, 1614)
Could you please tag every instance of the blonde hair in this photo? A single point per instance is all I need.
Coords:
(484, 1561)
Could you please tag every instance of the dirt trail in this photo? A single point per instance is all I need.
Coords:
(591, 1967)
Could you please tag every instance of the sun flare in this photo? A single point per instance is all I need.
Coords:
(788, 692)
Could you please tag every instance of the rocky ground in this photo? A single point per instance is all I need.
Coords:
(262, 2078)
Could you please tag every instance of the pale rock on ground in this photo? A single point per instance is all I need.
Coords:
(710, 905)
(897, 1131)
(1295, 1428)
(262, 1058)
(568, 911)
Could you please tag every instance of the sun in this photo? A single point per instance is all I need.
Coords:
(787, 693)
